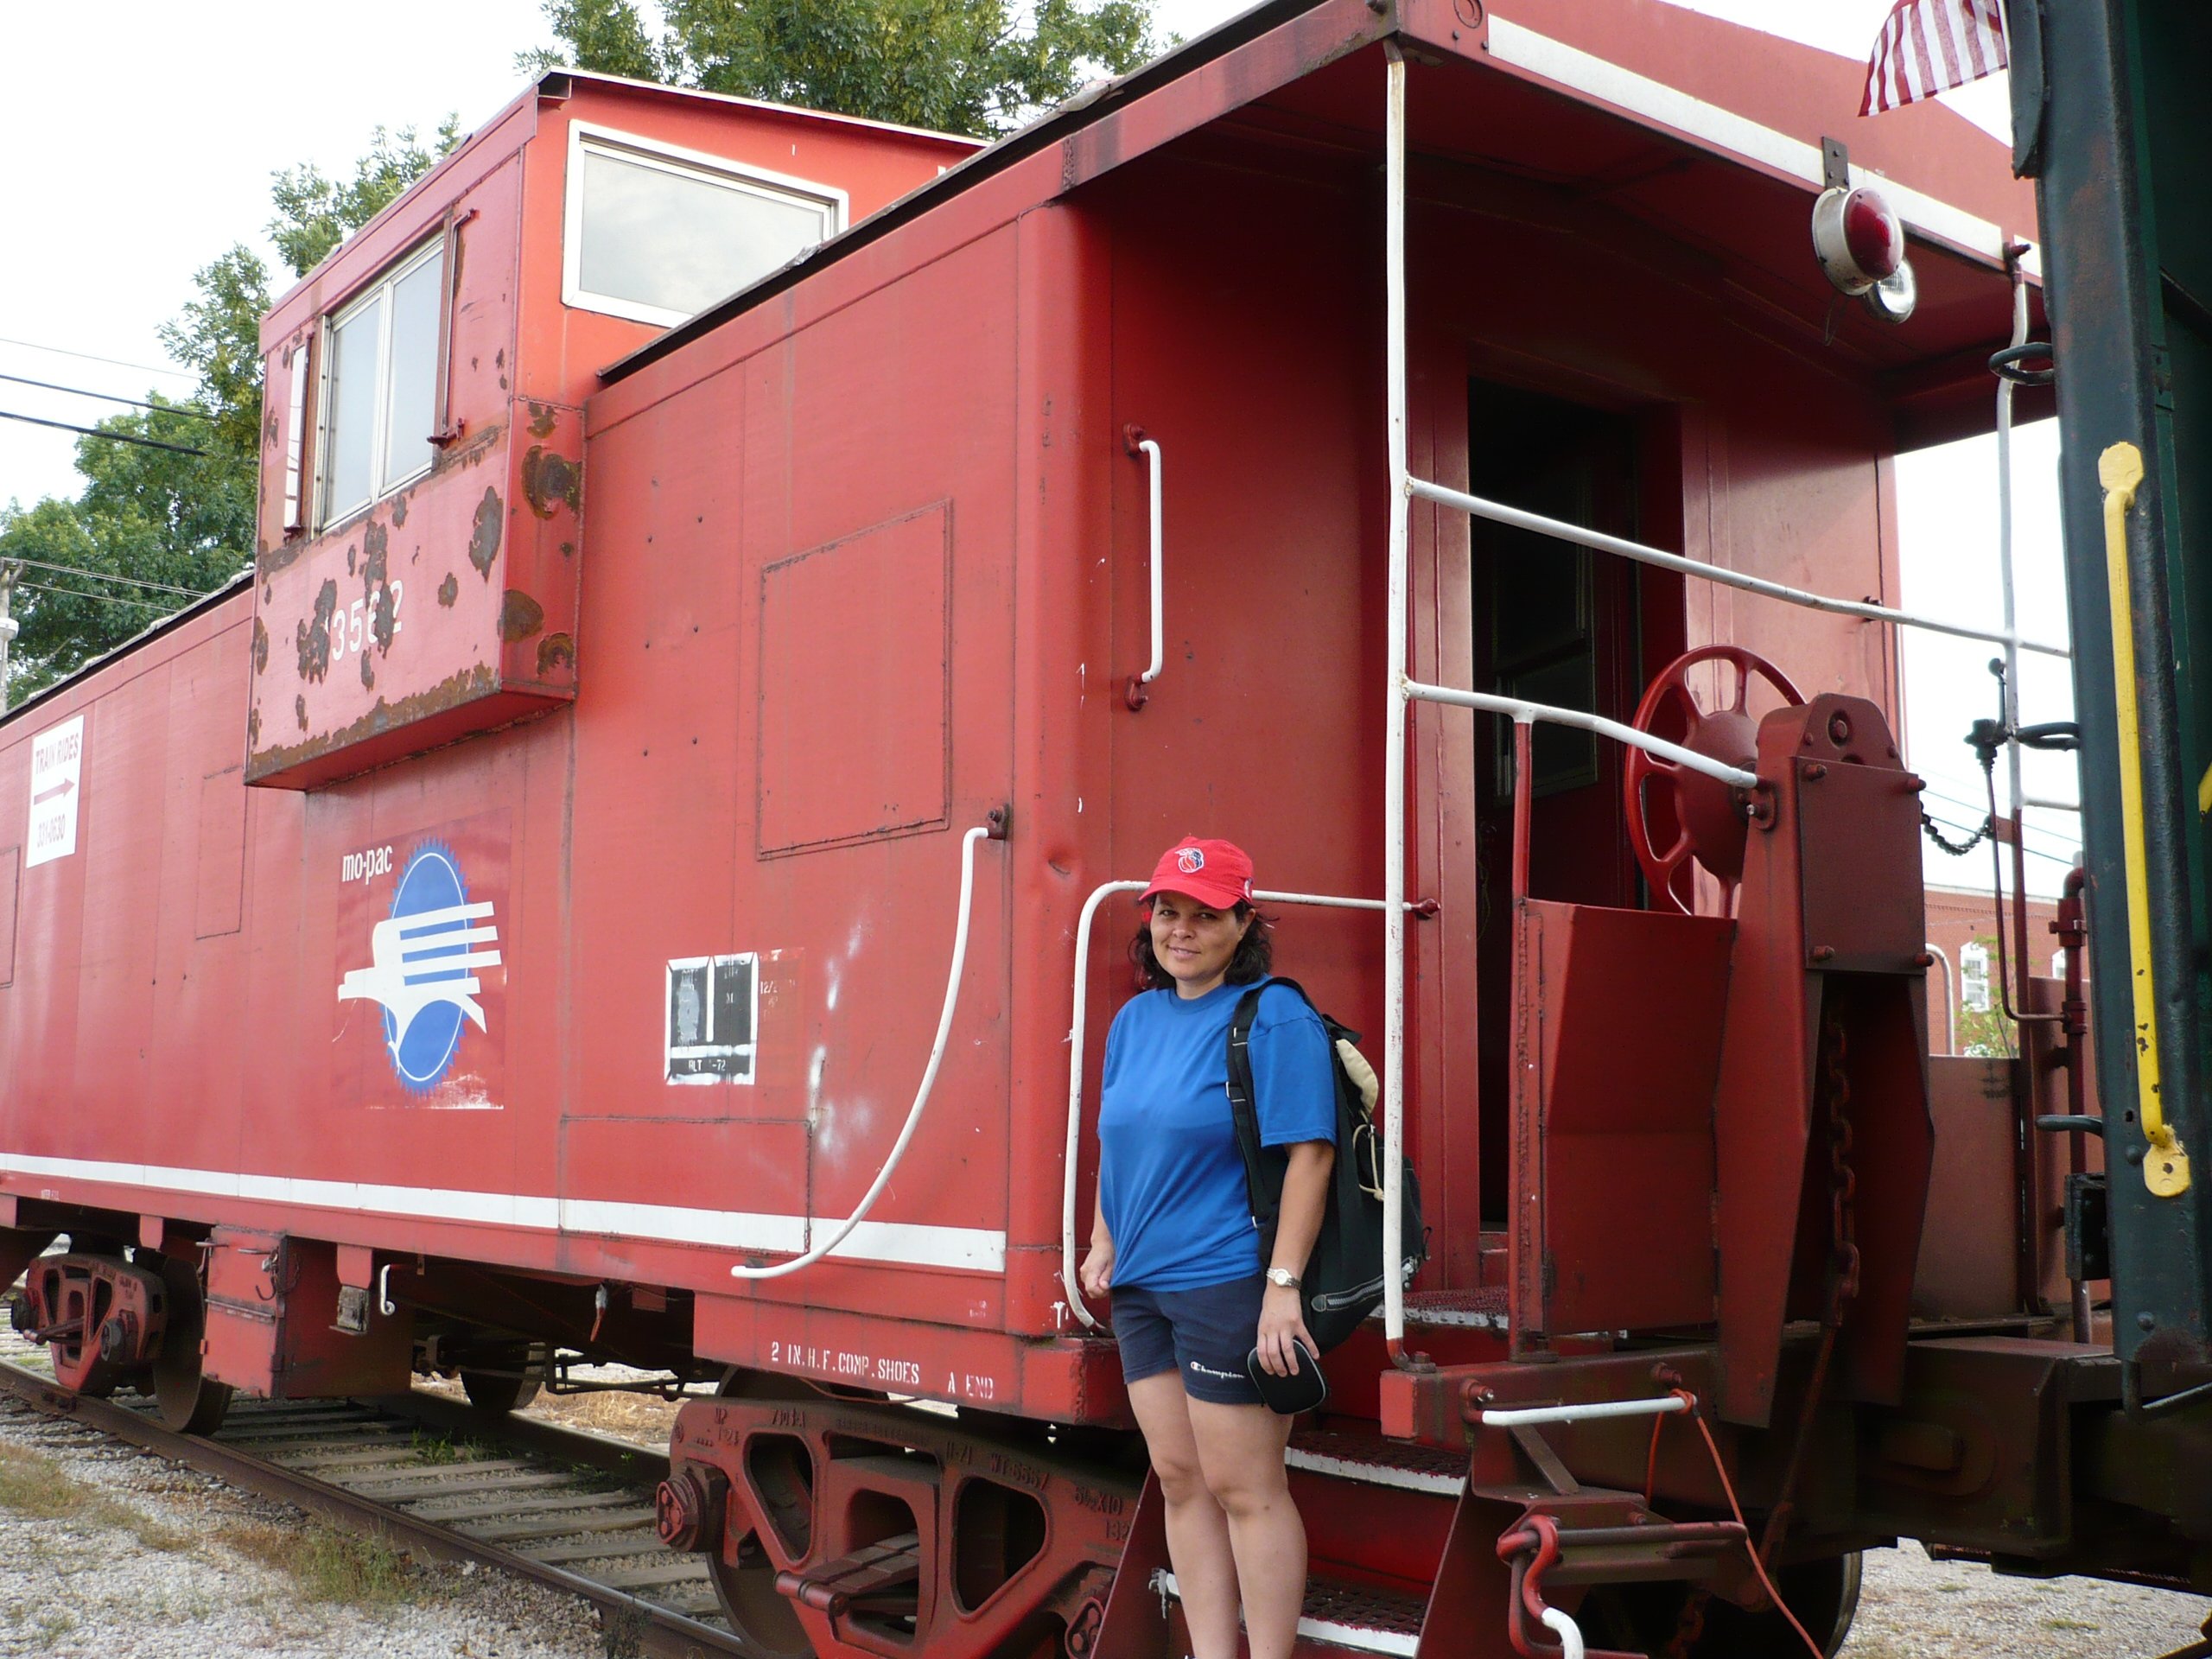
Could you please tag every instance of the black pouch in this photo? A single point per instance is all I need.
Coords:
(1304, 1389)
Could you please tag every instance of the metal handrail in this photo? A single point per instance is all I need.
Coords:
(1498, 512)
(1139, 444)
(1550, 714)
(1079, 1024)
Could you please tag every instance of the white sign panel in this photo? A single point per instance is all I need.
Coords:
(57, 765)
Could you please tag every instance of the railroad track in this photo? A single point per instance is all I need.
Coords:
(571, 1510)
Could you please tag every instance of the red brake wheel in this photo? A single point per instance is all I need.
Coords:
(1676, 814)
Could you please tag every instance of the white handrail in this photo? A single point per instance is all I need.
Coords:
(1389, 1106)
(1498, 512)
(1950, 996)
(1582, 721)
(1078, 1026)
(816, 1252)
(1150, 449)
(1509, 1416)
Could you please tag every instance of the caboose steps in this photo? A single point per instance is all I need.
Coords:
(1340, 1616)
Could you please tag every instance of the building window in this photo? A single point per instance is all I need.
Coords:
(380, 385)
(1973, 978)
(657, 235)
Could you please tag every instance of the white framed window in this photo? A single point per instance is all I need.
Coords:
(1973, 977)
(658, 234)
(379, 385)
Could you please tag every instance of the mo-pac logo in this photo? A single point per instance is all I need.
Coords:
(422, 964)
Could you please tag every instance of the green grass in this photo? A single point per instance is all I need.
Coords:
(37, 1487)
(351, 1569)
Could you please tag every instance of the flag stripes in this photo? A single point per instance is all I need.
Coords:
(1928, 47)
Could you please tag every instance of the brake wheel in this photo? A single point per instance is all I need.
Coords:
(1676, 814)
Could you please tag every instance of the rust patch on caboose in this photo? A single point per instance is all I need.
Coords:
(465, 687)
(368, 673)
(399, 508)
(268, 431)
(260, 644)
(300, 710)
(556, 651)
(350, 551)
(484, 539)
(568, 549)
(273, 559)
(550, 481)
(376, 585)
(500, 362)
(314, 636)
(520, 616)
(253, 726)
(448, 591)
(544, 417)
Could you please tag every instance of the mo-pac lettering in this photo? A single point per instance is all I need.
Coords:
(361, 867)
(61, 751)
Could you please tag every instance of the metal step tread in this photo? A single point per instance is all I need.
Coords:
(1482, 1309)
(1373, 1460)
(1353, 1616)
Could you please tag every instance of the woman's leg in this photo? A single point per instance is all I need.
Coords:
(1197, 1532)
(1241, 1449)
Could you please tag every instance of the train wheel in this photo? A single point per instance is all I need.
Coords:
(190, 1402)
(1646, 1618)
(760, 1613)
(512, 1386)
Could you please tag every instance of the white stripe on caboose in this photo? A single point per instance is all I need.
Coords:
(977, 1249)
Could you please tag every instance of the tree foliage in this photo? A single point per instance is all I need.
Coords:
(157, 515)
(975, 67)
(313, 213)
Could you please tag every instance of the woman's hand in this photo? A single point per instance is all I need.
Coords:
(1097, 1274)
(1282, 1320)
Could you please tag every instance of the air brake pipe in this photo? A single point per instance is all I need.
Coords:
(1135, 694)
(1078, 1025)
(1498, 512)
(814, 1253)
(2165, 1164)
(1511, 1416)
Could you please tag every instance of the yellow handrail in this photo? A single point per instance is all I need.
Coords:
(2165, 1166)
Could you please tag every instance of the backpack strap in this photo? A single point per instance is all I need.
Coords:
(1242, 1111)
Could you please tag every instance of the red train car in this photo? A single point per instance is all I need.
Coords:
(662, 813)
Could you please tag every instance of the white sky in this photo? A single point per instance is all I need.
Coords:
(143, 135)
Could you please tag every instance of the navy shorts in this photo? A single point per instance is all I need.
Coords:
(1203, 1334)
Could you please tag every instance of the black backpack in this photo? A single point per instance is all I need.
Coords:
(1343, 1282)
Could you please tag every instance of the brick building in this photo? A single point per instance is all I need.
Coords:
(1963, 928)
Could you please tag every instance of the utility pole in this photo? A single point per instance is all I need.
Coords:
(8, 627)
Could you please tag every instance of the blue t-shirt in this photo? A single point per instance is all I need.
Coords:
(1171, 1181)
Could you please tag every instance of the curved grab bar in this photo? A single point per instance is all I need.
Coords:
(1079, 1024)
(815, 1252)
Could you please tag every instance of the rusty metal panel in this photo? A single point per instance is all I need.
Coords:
(883, 594)
(1966, 1253)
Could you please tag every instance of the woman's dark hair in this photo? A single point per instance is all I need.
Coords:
(1254, 959)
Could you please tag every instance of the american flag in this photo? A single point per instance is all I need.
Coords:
(1928, 47)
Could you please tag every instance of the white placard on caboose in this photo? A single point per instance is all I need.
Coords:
(57, 765)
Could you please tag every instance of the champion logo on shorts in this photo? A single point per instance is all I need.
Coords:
(1208, 1370)
(1190, 860)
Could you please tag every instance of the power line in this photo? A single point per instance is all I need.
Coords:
(104, 599)
(116, 362)
(108, 397)
(116, 437)
(103, 575)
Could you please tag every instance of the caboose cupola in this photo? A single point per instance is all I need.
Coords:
(421, 544)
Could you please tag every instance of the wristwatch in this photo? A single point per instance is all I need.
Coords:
(1284, 1277)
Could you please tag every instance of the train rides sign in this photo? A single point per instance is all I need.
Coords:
(419, 953)
(57, 779)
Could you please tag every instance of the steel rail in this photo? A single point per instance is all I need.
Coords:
(657, 1631)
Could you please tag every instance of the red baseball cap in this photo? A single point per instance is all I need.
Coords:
(1214, 873)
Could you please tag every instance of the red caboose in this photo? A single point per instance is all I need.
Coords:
(681, 789)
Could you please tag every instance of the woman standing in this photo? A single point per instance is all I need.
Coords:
(1174, 1239)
